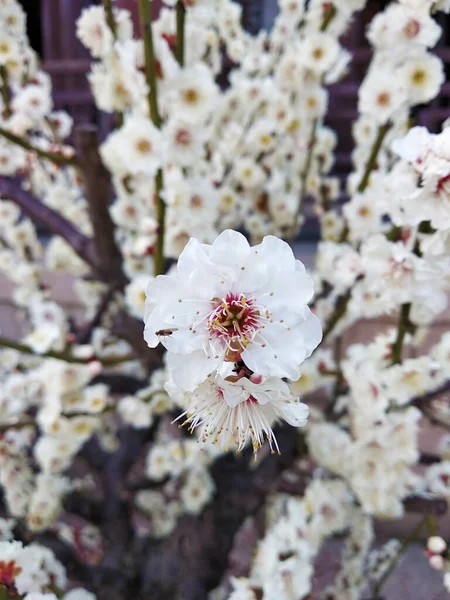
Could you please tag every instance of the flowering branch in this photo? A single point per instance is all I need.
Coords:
(181, 17)
(57, 158)
(51, 220)
(152, 98)
(4, 88)
(65, 355)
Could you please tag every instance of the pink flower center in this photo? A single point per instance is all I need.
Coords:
(411, 28)
(443, 186)
(183, 137)
(234, 322)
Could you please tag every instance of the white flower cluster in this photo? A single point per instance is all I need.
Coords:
(32, 572)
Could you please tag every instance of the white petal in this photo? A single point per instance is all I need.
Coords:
(192, 257)
(230, 249)
(286, 291)
(184, 341)
(275, 253)
(190, 370)
(295, 413)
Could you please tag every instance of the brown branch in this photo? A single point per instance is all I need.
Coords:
(97, 189)
(11, 189)
(427, 505)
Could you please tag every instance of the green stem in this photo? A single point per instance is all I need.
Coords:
(107, 4)
(304, 179)
(181, 17)
(405, 543)
(431, 525)
(5, 90)
(58, 159)
(401, 332)
(109, 14)
(145, 13)
(158, 264)
(65, 355)
(372, 160)
(339, 312)
(329, 16)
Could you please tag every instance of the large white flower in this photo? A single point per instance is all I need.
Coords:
(232, 302)
(231, 411)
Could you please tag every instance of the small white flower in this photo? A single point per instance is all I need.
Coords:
(436, 544)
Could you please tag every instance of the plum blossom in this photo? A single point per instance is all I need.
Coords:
(230, 411)
(232, 302)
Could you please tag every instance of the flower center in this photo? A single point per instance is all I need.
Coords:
(234, 322)
(411, 28)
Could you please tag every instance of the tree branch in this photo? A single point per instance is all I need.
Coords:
(11, 189)
(97, 190)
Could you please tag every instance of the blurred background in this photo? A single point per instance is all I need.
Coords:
(51, 28)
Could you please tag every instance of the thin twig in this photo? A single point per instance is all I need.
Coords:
(329, 16)
(402, 328)
(338, 313)
(58, 159)
(107, 4)
(4, 88)
(85, 334)
(372, 160)
(181, 18)
(65, 355)
(109, 13)
(152, 98)
(304, 179)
